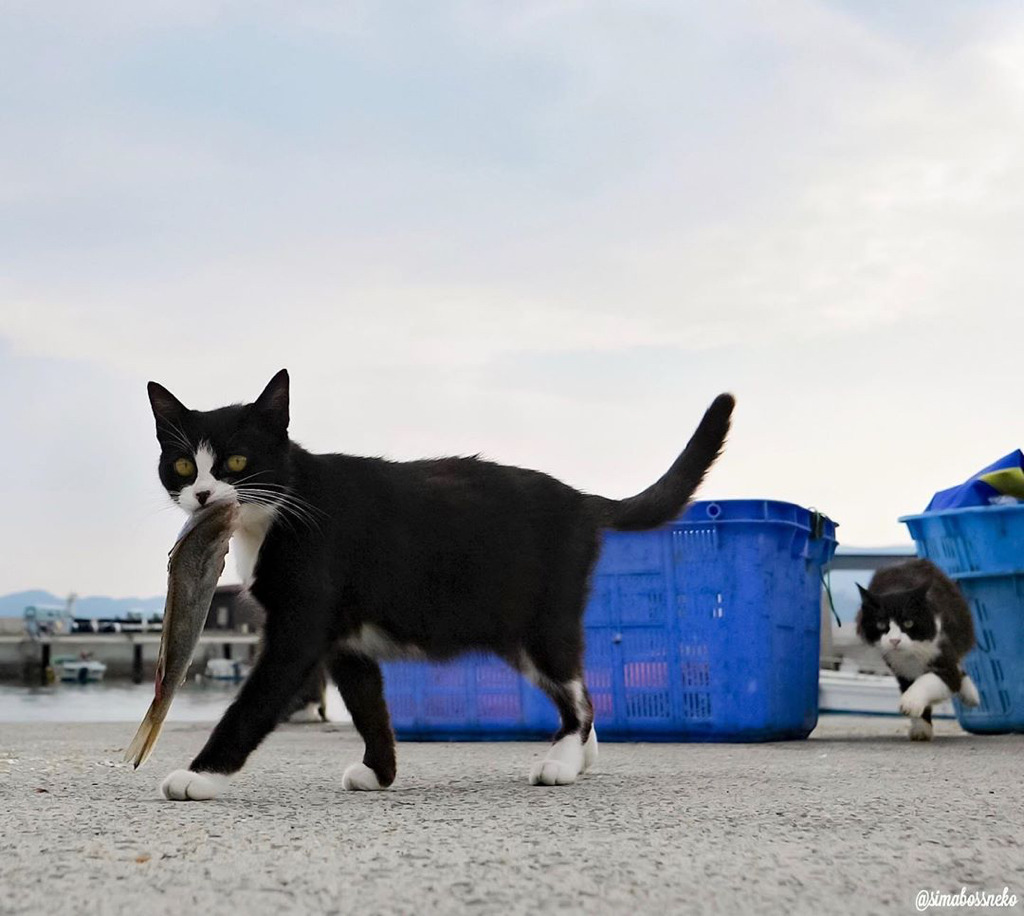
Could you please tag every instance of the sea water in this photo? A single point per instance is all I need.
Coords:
(125, 702)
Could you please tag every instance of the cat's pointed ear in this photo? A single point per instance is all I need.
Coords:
(273, 403)
(866, 597)
(167, 409)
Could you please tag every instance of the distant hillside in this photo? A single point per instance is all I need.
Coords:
(13, 605)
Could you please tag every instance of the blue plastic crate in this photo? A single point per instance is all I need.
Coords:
(706, 629)
(986, 539)
(982, 549)
(995, 666)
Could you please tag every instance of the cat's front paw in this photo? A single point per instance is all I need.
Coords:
(185, 785)
(921, 730)
(912, 705)
(360, 778)
(969, 695)
(926, 691)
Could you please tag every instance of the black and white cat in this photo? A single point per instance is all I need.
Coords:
(361, 559)
(919, 620)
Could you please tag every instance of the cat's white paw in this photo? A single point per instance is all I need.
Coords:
(563, 763)
(920, 730)
(311, 712)
(552, 773)
(184, 785)
(912, 705)
(969, 695)
(927, 690)
(360, 778)
(590, 750)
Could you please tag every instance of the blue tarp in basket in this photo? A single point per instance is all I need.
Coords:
(1000, 482)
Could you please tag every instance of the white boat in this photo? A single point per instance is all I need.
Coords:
(865, 694)
(73, 669)
(226, 669)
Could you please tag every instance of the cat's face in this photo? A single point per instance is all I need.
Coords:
(235, 454)
(896, 621)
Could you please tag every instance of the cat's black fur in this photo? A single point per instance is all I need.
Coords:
(933, 616)
(443, 556)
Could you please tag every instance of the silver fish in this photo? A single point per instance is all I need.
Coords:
(195, 564)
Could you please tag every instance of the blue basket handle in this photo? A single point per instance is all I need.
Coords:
(818, 520)
(826, 582)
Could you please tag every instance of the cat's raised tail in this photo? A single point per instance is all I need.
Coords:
(664, 500)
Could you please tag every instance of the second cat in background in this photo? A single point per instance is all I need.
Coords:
(917, 617)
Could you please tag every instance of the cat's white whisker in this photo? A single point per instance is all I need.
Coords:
(287, 511)
(176, 433)
(283, 499)
(242, 480)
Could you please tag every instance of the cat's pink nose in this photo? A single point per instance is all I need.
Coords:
(894, 641)
(202, 496)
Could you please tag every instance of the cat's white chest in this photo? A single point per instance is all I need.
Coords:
(253, 524)
(911, 659)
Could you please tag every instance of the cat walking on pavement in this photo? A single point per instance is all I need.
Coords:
(918, 619)
(361, 559)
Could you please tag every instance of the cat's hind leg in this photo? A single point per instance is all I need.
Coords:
(362, 688)
(567, 757)
(574, 749)
(968, 693)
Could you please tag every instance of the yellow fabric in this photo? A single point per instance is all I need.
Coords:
(1008, 481)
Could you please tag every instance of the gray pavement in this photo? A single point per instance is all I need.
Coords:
(855, 820)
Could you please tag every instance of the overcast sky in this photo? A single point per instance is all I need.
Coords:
(549, 232)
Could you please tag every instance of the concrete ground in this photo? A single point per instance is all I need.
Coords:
(855, 820)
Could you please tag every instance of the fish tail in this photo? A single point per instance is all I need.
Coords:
(145, 738)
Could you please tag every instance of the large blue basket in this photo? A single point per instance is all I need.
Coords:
(705, 630)
(987, 539)
(982, 549)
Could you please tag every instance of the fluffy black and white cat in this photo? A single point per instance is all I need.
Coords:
(919, 620)
(361, 559)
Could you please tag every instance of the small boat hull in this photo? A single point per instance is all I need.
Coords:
(226, 670)
(80, 671)
(865, 695)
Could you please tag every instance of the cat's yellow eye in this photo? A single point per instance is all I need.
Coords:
(184, 467)
(237, 463)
